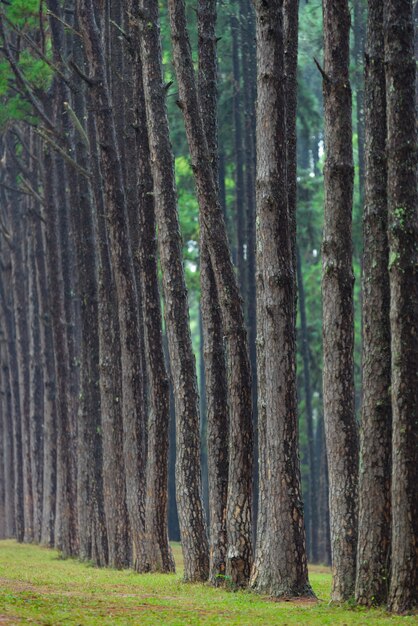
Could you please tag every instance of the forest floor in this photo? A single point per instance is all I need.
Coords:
(38, 587)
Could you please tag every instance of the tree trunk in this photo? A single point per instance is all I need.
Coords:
(375, 433)
(281, 535)
(239, 501)
(49, 469)
(312, 461)
(15, 409)
(337, 290)
(403, 276)
(114, 487)
(213, 342)
(238, 153)
(7, 426)
(182, 364)
(36, 405)
(19, 288)
(159, 554)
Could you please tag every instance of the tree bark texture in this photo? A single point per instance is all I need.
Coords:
(182, 364)
(239, 502)
(403, 270)
(213, 342)
(337, 293)
(158, 551)
(375, 433)
(280, 567)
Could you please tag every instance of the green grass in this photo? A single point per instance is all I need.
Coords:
(38, 587)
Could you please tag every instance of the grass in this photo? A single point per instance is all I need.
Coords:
(38, 587)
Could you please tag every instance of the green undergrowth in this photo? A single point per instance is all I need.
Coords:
(38, 587)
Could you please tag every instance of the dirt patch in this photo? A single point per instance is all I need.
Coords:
(7, 620)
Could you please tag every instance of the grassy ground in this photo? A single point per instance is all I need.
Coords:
(38, 587)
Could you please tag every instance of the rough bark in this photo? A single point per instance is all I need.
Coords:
(213, 343)
(49, 470)
(15, 410)
(182, 365)
(158, 551)
(239, 502)
(65, 520)
(281, 534)
(375, 432)
(337, 291)
(114, 488)
(117, 220)
(403, 268)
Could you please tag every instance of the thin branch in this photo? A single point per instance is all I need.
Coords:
(14, 189)
(90, 81)
(62, 152)
(66, 24)
(325, 77)
(120, 29)
(78, 125)
(31, 192)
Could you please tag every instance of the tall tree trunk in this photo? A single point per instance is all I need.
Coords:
(114, 487)
(239, 501)
(403, 270)
(249, 72)
(238, 152)
(312, 461)
(15, 409)
(182, 365)
(375, 433)
(134, 421)
(7, 429)
(36, 406)
(49, 470)
(213, 342)
(337, 290)
(19, 288)
(281, 535)
(65, 520)
(159, 554)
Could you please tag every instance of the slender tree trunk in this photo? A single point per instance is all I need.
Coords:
(375, 433)
(324, 539)
(114, 487)
(49, 470)
(7, 430)
(337, 290)
(15, 410)
(213, 343)
(159, 554)
(403, 269)
(312, 461)
(36, 406)
(238, 152)
(280, 567)
(182, 365)
(19, 288)
(249, 71)
(239, 502)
